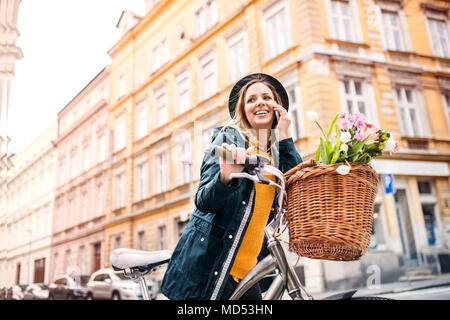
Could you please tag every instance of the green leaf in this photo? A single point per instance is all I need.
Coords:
(323, 152)
(335, 157)
(328, 147)
(317, 158)
(330, 128)
(357, 147)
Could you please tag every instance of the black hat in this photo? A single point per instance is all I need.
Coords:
(234, 94)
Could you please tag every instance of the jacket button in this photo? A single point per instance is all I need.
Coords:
(230, 236)
(216, 273)
(202, 239)
(243, 203)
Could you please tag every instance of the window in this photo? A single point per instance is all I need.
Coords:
(428, 201)
(439, 37)
(446, 103)
(82, 259)
(61, 174)
(100, 199)
(141, 120)
(141, 179)
(277, 29)
(119, 190)
(120, 132)
(141, 241)
(121, 86)
(160, 55)
(87, 157)
(162, 173)
(117, 242)
(71, 214)
(206, 17)
(183, 92)
(294, 111)
(238, 65)
(97, 255)
(162, 237)
(162, 108)
(207, 133)
(355, 97)
(67, 260)
(378, 239)
(342, 27)
(208, 75)
(180, 225)
(408, 113)
(73, 166)
(39, 270)
(424, 187)
(183, 160)
(102, 149)
(393, 35)
(84, 207)
(291, 82)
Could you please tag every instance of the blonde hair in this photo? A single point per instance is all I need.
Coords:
(239, 120)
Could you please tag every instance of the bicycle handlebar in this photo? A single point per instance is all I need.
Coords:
(250, 160)
(254, 166)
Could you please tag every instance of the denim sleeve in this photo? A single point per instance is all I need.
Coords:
(289, 157)
(212, 194)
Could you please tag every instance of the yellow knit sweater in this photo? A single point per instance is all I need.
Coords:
(251, 245)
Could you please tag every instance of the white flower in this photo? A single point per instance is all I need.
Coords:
(389, 145)
(345, 137)
(343, 147)
(343, 169)
(312, 116)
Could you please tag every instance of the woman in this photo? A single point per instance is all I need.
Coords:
(224, 237)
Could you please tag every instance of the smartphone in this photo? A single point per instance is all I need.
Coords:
(277, 116)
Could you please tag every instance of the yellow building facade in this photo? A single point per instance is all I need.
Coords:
(172, 71)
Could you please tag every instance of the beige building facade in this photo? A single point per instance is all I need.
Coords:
(81, 194)
(26, 202)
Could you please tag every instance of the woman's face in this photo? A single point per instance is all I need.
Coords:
(258, 106)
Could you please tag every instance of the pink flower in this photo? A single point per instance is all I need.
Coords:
(370, 131)
(360, 116)
(351, 118)
(359, 137)
(359, 123)
(344, 125)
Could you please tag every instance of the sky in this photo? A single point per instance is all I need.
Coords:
(65, 45)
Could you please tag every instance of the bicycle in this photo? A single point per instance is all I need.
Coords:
(135, 264)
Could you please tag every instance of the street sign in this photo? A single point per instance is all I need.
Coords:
(388, 183)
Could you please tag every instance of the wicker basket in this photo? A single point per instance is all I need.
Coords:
(330, 215)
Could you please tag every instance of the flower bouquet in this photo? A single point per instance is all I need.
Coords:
(331, 197)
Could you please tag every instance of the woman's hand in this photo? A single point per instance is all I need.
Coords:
(284, 121)
(227, 167)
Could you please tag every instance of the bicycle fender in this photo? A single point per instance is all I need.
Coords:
(346, 295)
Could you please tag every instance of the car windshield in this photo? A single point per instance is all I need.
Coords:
(84, 280)
(121, 276)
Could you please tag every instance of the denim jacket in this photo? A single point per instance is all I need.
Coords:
(204, 255)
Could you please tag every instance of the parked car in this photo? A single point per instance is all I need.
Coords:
(14, 293)
(66, 287)
(3, 291)
(36, 291)
(107, 284)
